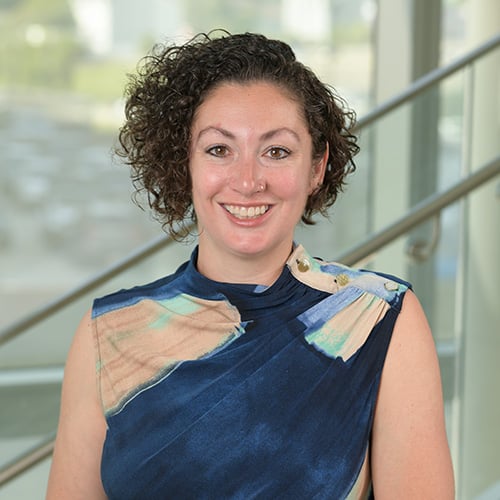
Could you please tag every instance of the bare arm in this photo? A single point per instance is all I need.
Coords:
(410, 454)
(75, 471)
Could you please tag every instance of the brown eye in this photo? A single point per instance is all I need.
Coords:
(219, 151)
(277, 153)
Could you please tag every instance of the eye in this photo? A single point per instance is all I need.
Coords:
(218, 150)
(278, 152)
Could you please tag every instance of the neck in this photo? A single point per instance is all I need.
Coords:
(235, 268)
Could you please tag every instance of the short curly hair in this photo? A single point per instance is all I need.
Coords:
(173, 80)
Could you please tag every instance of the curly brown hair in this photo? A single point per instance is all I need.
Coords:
(170, 84)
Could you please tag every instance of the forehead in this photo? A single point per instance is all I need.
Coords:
(250, 99)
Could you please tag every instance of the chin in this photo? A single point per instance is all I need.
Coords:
(253, 248)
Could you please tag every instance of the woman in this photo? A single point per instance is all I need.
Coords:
(254, 371)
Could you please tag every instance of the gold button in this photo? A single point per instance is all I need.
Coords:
(342, 279)
(390, 286)
(303, 265)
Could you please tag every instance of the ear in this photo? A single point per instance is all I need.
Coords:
(319, 169)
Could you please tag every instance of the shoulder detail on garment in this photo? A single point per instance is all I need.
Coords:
(144, 334)
(333, 277)
(359, 300)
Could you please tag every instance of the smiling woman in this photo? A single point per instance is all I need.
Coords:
(255, 370)
(171, 85)
(250, 180)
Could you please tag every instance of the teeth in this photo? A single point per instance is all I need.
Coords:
(246, 212)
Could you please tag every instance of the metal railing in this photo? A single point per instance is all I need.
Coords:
(27, 460)
(421, 212)
(425, 82)
(51, 308)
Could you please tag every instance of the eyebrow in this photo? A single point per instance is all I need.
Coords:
(272, 133)
(265, 136)
(219, 130)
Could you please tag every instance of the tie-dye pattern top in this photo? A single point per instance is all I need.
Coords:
(221, 391)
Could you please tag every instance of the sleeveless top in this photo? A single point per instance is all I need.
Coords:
(221, 391)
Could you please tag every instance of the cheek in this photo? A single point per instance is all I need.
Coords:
(292, 186)
(205, 184)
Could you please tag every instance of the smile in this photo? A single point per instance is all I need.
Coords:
(246, 212)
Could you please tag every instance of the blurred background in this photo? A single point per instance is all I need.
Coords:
(66, 213)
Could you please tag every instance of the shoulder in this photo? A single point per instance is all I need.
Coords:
(410, 449)
(82, 427)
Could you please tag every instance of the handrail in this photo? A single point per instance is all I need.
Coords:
(47, 310)
(426, 81)
(425, 209)
(13, 330)
(27, 460)
(422, 211)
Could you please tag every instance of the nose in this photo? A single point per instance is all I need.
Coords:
(247, 177)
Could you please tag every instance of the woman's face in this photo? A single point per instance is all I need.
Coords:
(252, 170)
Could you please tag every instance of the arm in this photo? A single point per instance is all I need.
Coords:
(75, 470)
(410, 454)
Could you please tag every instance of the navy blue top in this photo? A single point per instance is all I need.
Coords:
(224, 391)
